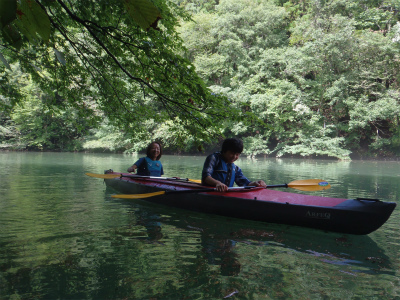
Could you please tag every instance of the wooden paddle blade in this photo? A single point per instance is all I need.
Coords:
(138, 196)
(309, 185)
(104, 176)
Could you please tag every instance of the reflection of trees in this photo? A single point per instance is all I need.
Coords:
(177, 255)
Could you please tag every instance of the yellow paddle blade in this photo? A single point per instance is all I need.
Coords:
(138, 196)
(195, 180)
(104, 176)
(309, 185)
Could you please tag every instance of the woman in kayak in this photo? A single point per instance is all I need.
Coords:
(220, 171)
(149, 165)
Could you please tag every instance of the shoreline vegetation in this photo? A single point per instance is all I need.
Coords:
(353, 157)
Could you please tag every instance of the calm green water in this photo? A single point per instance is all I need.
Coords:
(63, 237)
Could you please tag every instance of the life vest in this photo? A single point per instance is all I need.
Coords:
(143, 168)
(225, 172)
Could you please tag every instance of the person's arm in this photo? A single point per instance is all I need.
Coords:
(136, 165)
(213, 182)
(132, 168)
(241, 180)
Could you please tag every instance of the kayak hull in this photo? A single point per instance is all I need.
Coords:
(353, 216)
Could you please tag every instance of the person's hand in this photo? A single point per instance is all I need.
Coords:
(131, 169)
(258, 183)
(220, 187)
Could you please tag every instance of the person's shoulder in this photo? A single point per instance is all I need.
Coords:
(216, 154)
(213, 156)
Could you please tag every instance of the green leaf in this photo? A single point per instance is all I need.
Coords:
(143, 12)
(5, 62)
(8, 12)
(35, 20)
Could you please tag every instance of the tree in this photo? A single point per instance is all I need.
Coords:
(119, 58)
(321, 75)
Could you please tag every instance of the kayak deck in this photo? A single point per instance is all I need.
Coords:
(259, 194)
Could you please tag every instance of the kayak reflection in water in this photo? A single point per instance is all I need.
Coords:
(220, 171)
(149, 165)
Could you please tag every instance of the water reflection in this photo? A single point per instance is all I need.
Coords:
(63, 237)
(169, 254)
(212, 233)
(329, 248)
(250, 253)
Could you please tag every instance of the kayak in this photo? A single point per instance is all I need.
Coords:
(353, 216)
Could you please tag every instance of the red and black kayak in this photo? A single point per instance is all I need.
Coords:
(354, 216)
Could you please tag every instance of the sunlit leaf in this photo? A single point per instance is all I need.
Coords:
(60, 57)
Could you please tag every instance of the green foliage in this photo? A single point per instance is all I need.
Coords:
(197, 6)
(11, 79)
(8, 132)
(100, 56)
(321, 75)
(40, 125)
(319, 146)
(106, 138)
(255, 145)
(303, 78)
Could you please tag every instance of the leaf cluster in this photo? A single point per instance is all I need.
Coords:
(116, 59)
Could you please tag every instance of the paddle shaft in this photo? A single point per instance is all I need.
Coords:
(143, 176)
(113, 176)
(162, 178)
(277, 186)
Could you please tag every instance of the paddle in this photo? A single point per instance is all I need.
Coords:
(302, 185)
(308, 185)
(112, 176)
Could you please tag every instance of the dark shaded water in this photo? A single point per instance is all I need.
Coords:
(63, 237)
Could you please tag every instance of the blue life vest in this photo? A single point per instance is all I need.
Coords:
(225, 173)
(148, 167)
